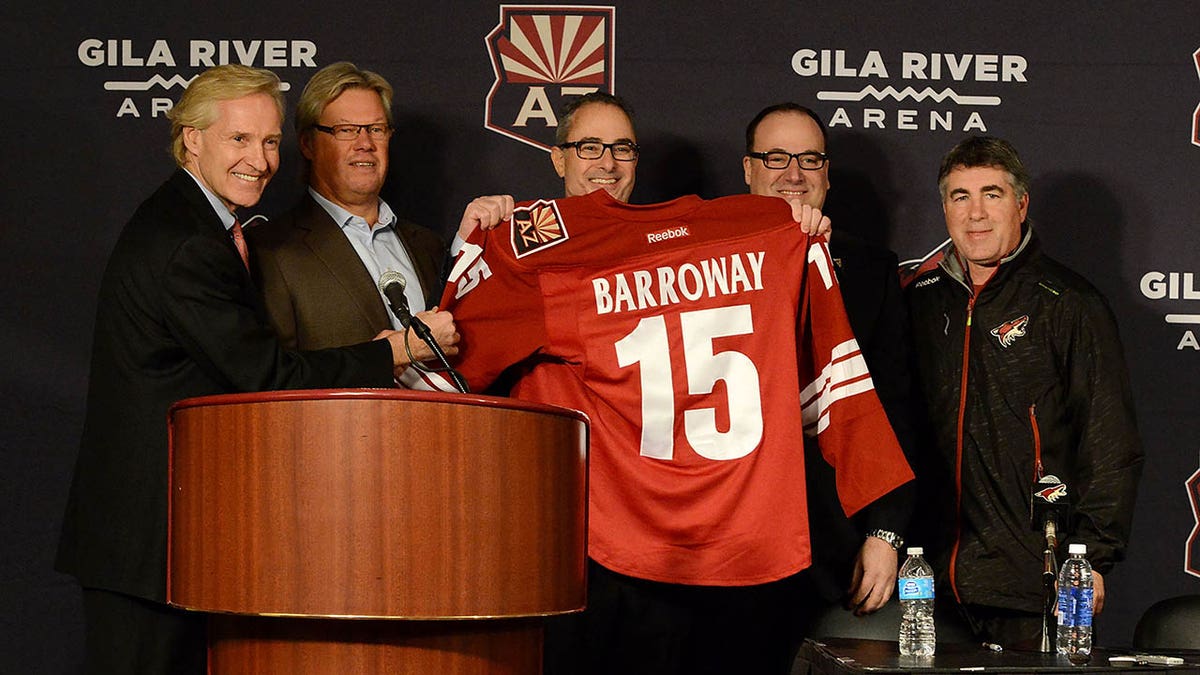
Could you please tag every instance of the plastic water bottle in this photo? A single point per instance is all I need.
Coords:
(917, 634)
(1075, 606)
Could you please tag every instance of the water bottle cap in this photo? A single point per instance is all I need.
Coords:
(916, 550)
(1080, 549)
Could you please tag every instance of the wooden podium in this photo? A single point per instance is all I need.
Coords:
(376, 531)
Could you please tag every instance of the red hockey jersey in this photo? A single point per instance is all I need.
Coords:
(675, 327)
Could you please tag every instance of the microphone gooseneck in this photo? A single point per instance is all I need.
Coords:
(392, 285)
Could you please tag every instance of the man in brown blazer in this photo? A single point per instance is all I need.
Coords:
(318, 266)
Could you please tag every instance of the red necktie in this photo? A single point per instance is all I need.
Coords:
(239, 240)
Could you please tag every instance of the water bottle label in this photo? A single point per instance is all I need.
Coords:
(920, 588)
(1074, 606)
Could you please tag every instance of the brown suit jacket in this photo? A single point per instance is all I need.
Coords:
(317, 292)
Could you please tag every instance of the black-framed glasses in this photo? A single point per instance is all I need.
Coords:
(777, 159)
(622, 151)
(349, 132)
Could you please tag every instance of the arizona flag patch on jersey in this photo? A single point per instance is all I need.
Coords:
(1008, 332)
(536, 227)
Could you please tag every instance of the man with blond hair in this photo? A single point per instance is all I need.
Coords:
(178, 316)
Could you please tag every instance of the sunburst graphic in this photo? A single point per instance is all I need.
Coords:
(542, 57)
(535, 227)
(544, 48)
(541, 227)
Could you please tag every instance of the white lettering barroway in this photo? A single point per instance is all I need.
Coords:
(645, 289)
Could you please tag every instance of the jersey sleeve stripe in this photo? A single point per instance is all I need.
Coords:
(846, 375)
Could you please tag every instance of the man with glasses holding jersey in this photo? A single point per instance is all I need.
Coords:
(635, 624)
(854, 561)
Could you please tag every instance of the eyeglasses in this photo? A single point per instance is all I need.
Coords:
(622, 151)
(349, 132)
(776, 159)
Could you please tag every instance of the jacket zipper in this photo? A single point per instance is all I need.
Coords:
(1037, 443)
(962, 410)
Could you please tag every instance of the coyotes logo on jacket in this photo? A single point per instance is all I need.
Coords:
(704, 340)
(1008, 332)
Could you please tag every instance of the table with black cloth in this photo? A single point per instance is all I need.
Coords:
(847, 655)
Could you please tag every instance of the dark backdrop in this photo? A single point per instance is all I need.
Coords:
(1101, 98)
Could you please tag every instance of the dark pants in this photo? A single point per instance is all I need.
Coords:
(1006, 627)
(634, 626)
(128, 635)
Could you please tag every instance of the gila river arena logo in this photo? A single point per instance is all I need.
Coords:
(144, 74)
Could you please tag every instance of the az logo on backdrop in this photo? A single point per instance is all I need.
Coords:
(541, 56)
(1196, 114)
(1191, 555)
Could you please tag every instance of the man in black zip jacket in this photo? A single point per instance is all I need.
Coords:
(1024, 377)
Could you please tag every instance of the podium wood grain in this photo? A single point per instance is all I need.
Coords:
(390, 518)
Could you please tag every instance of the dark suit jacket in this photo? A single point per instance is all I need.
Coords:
(178, 316)
(878, 316)
(317, 292)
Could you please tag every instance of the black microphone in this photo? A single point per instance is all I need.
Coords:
(1048, 511)
(392, 284)
(1048, 507)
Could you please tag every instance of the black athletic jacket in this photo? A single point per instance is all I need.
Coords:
(1039, 358)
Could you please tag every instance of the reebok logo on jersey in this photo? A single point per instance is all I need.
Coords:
(669, 233)
(536, 227)
(925, 282)
(1008, 332)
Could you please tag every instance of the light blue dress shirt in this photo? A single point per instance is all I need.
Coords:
(379, 248)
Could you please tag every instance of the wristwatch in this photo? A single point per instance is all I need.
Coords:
(894, 540)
